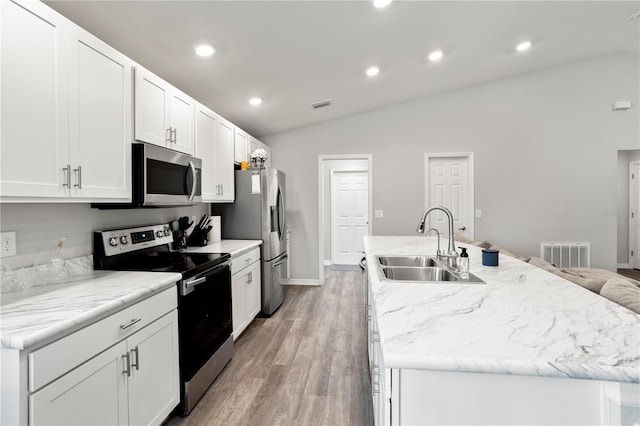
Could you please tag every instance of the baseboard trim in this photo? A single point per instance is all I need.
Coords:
(624, 266)
(302, 281)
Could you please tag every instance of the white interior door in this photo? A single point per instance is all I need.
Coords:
(634, 212)
(449, 184)
(349, 215)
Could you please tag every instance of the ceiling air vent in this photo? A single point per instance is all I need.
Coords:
(634, 16)
(321, 104)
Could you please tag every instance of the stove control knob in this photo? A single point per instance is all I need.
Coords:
(124, 240)
(113, 241)
(159, 234)
(167, 232)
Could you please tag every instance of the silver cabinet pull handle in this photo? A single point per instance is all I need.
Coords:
(167, 135)
(67, 171)
(127, 369)
(132, 322)
(136, 364)
(174, 135)
(79, 175)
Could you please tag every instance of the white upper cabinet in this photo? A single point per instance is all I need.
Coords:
(241, 146)
(223, 162)
(163, 114)
(34, 100)
(214, 146)
(100, 112)
(66, 116)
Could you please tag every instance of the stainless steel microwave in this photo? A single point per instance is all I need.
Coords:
(161, 177)
(165, 178)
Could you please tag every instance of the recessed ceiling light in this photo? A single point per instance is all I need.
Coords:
(381, 3)
(255, 101)
(436, 55)
(205, 50)
(521, 47)
(372, 71)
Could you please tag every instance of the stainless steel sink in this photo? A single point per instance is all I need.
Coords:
(420, 269)
(419, 274)
(420, 261)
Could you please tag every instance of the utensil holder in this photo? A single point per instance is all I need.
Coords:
(197, 238)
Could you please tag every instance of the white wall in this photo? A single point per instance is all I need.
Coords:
(39, 226)
(545, 147)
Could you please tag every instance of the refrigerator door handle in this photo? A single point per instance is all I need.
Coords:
(281, 221)
(283, 260)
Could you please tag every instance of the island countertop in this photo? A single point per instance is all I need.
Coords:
(523, 321)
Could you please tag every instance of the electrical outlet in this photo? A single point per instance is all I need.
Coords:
(7, 244)
(379, 214)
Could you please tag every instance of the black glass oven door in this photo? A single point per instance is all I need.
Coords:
(204, 318)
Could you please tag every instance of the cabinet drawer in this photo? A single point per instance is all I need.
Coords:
(52, 361)
(244, 260)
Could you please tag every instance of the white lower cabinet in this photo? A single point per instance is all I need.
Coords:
(121, 370)
(245, 289)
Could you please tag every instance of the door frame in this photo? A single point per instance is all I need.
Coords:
(322, 202)
(470, 181)
(331, 183)
(630, 209)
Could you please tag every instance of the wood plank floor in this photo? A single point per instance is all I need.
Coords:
(306, 365)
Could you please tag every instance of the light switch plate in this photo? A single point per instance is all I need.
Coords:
(7, 244)
(379, 214)
(478, 213)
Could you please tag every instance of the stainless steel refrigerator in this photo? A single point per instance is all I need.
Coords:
(258, 213)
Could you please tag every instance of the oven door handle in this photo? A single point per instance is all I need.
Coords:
(195, 282)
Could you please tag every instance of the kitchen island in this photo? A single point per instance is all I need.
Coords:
(526, 347)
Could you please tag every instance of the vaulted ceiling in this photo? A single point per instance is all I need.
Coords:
(295, 53)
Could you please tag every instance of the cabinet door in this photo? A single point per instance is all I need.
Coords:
(151, 108)
(253, 145)
(238, 303)
(154, 383)
(95, 393)
(253, 292)
(223, 157)
(206, 122)
(100, 119)
(33, 93)
(181, 111)
(241, 145)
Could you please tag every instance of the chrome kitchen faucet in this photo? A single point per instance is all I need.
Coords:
(452, 254)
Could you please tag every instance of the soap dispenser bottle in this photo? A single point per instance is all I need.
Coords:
(464, 264)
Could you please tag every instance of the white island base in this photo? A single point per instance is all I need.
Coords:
(440, 397)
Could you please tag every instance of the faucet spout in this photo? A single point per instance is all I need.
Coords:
(451, 254)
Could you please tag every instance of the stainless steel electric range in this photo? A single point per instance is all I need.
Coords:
(204, 298)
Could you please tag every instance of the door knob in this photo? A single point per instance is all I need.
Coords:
(462, 228)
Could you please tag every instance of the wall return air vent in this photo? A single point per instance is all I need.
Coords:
(321, 104)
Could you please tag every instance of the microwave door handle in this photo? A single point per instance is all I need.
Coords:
(192, 167)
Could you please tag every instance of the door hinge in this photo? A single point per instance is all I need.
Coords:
(631, 253)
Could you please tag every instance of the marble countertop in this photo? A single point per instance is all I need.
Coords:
(523, 321)
(42, 314)
(233, 247)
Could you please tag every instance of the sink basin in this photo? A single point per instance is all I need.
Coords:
(420, 269)
(420, 261)
(433, 274)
